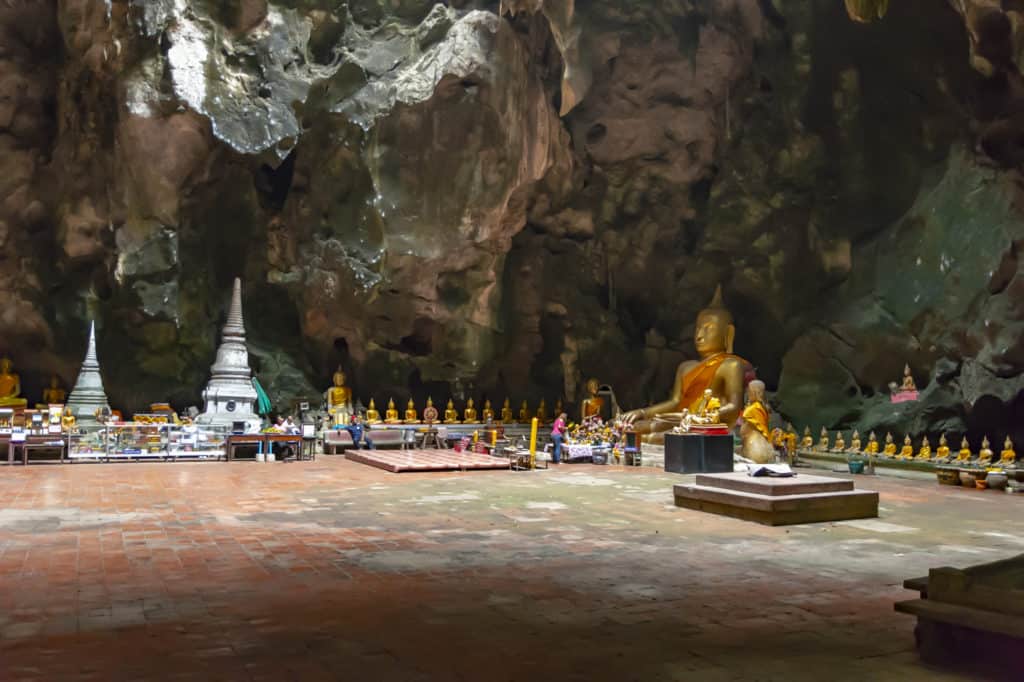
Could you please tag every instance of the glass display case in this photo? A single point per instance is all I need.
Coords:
(131, 440)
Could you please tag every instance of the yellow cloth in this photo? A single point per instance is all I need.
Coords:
(757, 416)
(698, 379)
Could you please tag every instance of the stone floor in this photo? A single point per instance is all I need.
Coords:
(338, 571)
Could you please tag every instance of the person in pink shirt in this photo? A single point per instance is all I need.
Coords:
(557, 436)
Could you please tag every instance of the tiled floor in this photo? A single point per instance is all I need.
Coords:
(339, 571)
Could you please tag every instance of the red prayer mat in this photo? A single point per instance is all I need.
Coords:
(397, 461)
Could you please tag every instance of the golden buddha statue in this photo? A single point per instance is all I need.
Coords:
(872, 448)
(890, 446)
(488, 412)
(717, 369)
(10, 386)
(593, 403)
(542, 412)
(807, 442)
(411, 416)
(789, 437)
(855, 441)
(985, 454)
(709, 410)
(450, 415)
(372, 415)
(469, 414)
(907, 452)
(391, 414)
(840, 444)
(754, 431)
(823, 440)
(524, 414)
(1008, 456)
(54, 394)
(925, 452)
(942, 452)
(965, 452)
(67, 420)
(339, 398)
(506, 412)
(908, 380)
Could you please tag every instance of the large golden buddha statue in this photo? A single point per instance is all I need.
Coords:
(372, 415)
(488, 412)
(10, 386)
(411, 416)
(754, 432)
(450, 415)
(391, 414)
(339, 399)
(717, 369)
(1008, 456)
(506, 412)
(469, 414)
(593, 403)
(54, 394)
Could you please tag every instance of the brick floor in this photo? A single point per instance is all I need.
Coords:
(338, 571)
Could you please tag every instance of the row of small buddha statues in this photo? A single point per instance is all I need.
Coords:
(941, 455)
(469, 414)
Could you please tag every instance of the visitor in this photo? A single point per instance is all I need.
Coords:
(557, 436)
(358, 433)
(290, 427)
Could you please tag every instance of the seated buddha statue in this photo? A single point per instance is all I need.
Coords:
(411, 416)
(985, 454)
(807, 442)
(754, 430)
(823, 440)
(789, 437)
(965, 454)
(840, 444)
(593, 403)
(942, 452)
(524, 414)
(10, 386)
(872, 448)
(391, 414)
(717, 369)
(372, 415)
(1008, 457)
(67, 420)
(925, 452)
(908, 380)
(542, 412)
(488, 412)
(469, 414)
(890, 446)
(506, 413)
(54, 394)
(450, 415)
(855, 441)
(907, 451)
(339, 399)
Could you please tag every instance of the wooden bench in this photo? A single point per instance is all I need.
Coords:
(337, 438)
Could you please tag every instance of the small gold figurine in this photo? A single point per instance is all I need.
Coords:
(942, 452)
(925, 453)
(872, 448)
(840, 444)
(391, 414)
(908, 380)
(524, 414)
(67, 420)
(855, 441)
(807, 442)
(823, 440)
(790, 438)
(965, 452)
(411, 417)
(890, 446)
(1008, 457)
(985, 455)
(372, 415)
(506, 413)
(450, 415)
(542, 412)
(469, 414)
(908, 449)
(488, 412)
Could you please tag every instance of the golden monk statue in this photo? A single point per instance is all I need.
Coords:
(890, 446)
(67, 420)
(542, 412)
(754, 431)
(450, 415)
(339, 399)
(908, 380)
(807, 442)
(10, 386)
(789, 438)
(985, 454)
(524, 414)
(469, 414)
(506, 413)
(823, 440)
(593, 403)
(925, 452)
(942, 452)
(965, 452)
(840, 444)
(717, 369)
(1008, 457)
(855, 441)
(391, 414)
(411, 417)
(488, 412)
(372, 415)
(872, 448)
(54, 394)
(907, 451)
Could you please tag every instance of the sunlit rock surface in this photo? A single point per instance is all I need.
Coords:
(508, 197)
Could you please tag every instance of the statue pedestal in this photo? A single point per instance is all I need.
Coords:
(903, 396)
(693, 453)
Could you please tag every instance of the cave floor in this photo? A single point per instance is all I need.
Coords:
(338, 571)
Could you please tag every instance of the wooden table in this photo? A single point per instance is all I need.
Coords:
(51, 441)
(262, 439)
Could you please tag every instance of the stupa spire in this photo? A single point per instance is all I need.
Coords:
(88, 395)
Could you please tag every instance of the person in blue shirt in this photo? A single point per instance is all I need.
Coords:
(358, 433)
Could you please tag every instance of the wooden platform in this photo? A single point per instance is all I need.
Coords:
(397, 461)
(777, 501)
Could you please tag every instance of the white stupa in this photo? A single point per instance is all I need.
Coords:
(229, 396)
(88, 395)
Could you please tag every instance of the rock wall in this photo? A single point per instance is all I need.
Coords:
(504, 198)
